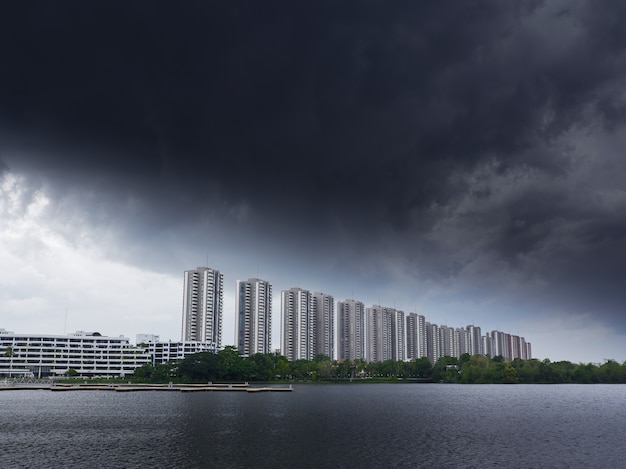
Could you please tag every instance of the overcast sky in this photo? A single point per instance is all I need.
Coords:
(464, 160)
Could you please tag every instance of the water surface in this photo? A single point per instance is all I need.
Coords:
(351, 425)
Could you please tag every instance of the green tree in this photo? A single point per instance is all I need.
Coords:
(422, 368)
(509, 374)
(611, 372)
(343, 369)
(202, 366)
(464, 358)
(389, 368)
(264, 366)
(562, 371)
(300, 369)
(446, 369)
(229, 363)
(527, 370)
(475, 370)
(144, 372)
(162, 373)
(325, 370)
(281, 366)
(585, 374)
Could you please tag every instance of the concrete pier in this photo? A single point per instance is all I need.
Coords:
(189, 387)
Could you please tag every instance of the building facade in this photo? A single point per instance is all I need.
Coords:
(398, 335)
(415, 336)
(323, 316)
(386, 334)
(163, 352)
(351, 330)
(297, 325)
(253, 316)
(87, 354)
(381, 332)
(203, 296)
(475, 345)
(433, 344)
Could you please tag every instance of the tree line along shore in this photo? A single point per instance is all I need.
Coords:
(228, 365)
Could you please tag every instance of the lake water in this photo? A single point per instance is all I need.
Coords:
(319, 426)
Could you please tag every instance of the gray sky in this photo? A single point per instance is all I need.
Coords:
(458, 159)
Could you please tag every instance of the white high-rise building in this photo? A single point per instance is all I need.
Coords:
(398, 335)
(203, 293)
(415, 336)
(253, 321)
(385, 334)
(433, 348)
(449, 342)
(465, 344)
(488, 345)
(374, 325)
(475, 340)
(351, 327)
(297, 325)
(323, 313)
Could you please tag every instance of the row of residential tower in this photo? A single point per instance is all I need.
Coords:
(376, 333)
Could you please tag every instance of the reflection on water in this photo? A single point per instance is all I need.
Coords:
(352, 425)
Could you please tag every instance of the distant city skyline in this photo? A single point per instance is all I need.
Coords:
(308, 325)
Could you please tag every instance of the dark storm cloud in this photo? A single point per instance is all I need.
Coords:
(364, 122)
(326, 102)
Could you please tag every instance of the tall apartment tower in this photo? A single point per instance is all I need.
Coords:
(351, 330)
(475, 340)
(398, 335)
(203, 293)
(415, 336)
(448, 338)
(465, 344)
(297, 325)
(375, 328)
(323, 315)
(433, 345)
(385, 334)
(488, 345)
(253, 320)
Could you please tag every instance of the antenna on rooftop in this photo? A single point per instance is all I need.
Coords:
(65, 324)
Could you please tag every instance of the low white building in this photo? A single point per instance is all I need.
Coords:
(88, 353)
(163, 352)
